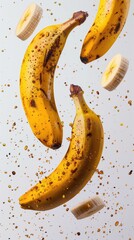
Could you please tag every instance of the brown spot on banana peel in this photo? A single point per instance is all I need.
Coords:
(41, 35)
(42, 90)
(32, 103)
(40, 78)
(74, 170)
(89, 135)
(97, 56)
(111, 30)
(67, 164)
(89, 124)
(51, 50)
(117, 27)
(102, 39)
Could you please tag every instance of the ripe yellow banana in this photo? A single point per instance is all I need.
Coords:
(37, 77)
(107, 26)
(78, 165)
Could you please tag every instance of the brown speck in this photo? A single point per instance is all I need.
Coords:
(42, 35)
(130, 172)
(117, 27)
(51, 183)
(26, 147)
(116, 223)
(74, 170)
(97, 56)
(102, 39)
(40, 78)
(68, 164)
(52, 50)
(130, 102)
(111, 30)
(88, 123)
(32, 103)
(89, 135)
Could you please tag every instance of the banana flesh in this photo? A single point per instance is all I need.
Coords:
(29, 21)
(37, 79)
(88, 207)
(78, 165)
(108, 24)
(115, 72)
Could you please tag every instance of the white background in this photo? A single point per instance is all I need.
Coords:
(116, 185)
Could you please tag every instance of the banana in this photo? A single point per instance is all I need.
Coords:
(88, 207)
(108, 24)
(78, 164)
(29, 21)
(115, 72)
(37, 79)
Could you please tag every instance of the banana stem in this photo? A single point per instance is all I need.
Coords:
(77, 95)
(77, 19)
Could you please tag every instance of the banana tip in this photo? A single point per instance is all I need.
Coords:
(84, 59)
(56, 146)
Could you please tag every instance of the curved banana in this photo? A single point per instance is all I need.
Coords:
(78, 165)
(107, 26)
(37, 77)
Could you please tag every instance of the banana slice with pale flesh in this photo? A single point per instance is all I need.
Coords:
(29, 21)
(115, 72)
(88, 207)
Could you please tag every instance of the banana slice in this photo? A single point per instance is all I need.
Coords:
(29, 21)
(115, 72)
(88, 208)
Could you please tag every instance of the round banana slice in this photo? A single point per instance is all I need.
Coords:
(29, 21)
(115, 72)
(88, 208)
